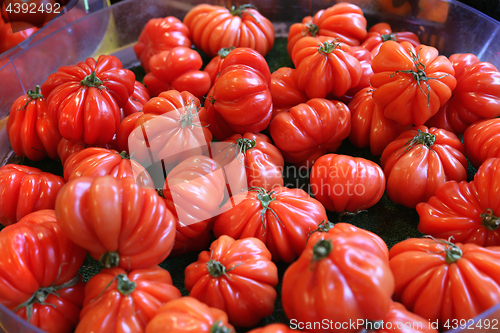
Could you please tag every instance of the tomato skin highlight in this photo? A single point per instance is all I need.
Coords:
(244, 288)
(381, 32)
(111, 217)
(414, 169)
(361, 183)
(482, 141)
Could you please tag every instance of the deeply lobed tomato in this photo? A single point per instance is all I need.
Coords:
(237, 277)
(382, 32)
(136, 101)
(213, 68)
(285, 91)
(482, 141)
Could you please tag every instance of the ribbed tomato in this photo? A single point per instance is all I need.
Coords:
(215, 27)
(325, 66)
(281, 218)
(341, 268)
(411, 83)
(94, 162)
(420, 160)
(263, 162)
(39, 273)
(476, 96)
(309, 130)
(84, 100)
(382, 32)
(137, 100)
(213, 68)
(482, 141)
(112, 217)
(370, 128)
(160, 34)
(347, 184)
(344, 21)
(237, 277)
(24, 190)
(285, 91)
(31, 131)
(179, 69)
(119, 301)
(186, 315)
(66, 148)
(461, 279)
(458, 210)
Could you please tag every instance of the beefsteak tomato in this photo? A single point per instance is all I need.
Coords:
(237, 277)
(214, 66)
(342, 269)
(382, 32)
(411, 83)
(309, 130)
(84, 100)
(482, 141)
(112, 217)
(420, 160)
(137, 100)
(216, 27)
(281, 218)
(460, 279)
(285, 91)
(39, 278)
(24, 190)
(347, 184)
(117, 301)
(158, 35)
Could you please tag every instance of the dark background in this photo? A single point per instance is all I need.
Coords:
(489, 7)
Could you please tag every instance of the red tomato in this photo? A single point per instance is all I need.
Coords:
(285, 91)
(66, 148)
(24, 189)
(213, 68)
(326, 227)
(347, 184)
(112, 217)
(281, 218)
(263, 162)
(85, 99)
(237, 277)
(342, 20)
(180, 132)
(30, 129)
(382, 32)
(308, 131)
(215, 27)
(482, 141)
(193, 191)
(187, 314)
(369, 125)
(458, 210)
(412, 84)
(9, 39)
(420, 160)
(240, 88)
(137, 100)
(248, 57)
(274, 328)
(365, 60)
(179, 69)
(40, 280)
(487, 182)
(461, 280)
(94, 162)
(119, 301)
(476, 97)
(325, 66)
(344, 269)
(158, 35)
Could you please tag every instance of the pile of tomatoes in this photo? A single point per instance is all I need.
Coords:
(161, 168)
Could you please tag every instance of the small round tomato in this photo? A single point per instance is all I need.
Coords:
(347, 184)
(458, 210)
(24, 190)
(420, 160)
(112, 217)
(237, 277)
(309, 130)
(341, 268)
(216, 27)
(482, 141)
(160, 34)
(411, 83)
(325, 66)
(187, 315)
(382, 32)
(115, 300)
(281, 218)
(461, 279)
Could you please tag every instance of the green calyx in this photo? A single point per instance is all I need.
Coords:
(110, 259)
(322, 249)
(223, 53)
(453, 252)
(386, 37)
(265, 199)
(423, 138)
(244, 144)
(32, 95)
(124, 285)
(490, 221)
(92, 81)
(329, 47)
(311, 28)
(218, 327)
(241, 9)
